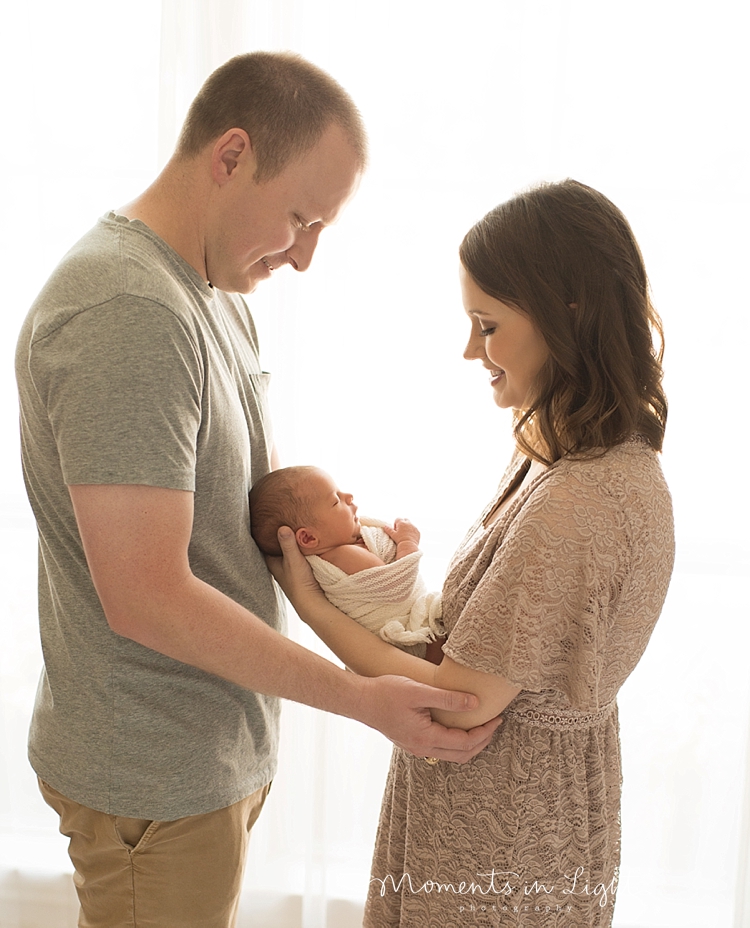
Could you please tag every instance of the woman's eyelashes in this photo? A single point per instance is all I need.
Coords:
(484, 327)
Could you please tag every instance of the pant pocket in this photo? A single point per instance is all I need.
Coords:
(131, 831)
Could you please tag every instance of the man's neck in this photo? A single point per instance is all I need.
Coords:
(172, 207)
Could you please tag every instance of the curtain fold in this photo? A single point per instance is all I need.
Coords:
(196, 37)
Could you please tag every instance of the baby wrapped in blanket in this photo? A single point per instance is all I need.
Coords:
(366, 568)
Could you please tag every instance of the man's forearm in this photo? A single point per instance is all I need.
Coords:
(136, 541)
(200, 626)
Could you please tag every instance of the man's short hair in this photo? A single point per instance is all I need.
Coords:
(282, 101)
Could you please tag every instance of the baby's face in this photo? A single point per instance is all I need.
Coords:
(334, 513)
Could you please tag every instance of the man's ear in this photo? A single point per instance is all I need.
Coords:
(307, 540)
(230, 152)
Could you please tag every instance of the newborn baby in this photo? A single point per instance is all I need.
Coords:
(366, 568)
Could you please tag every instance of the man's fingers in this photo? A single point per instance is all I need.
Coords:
(451, 700)
(455, 745)
(454, 739)
(411, 727)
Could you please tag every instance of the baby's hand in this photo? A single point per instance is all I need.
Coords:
(405, 535)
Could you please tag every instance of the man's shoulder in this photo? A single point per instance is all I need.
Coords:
(117, 261)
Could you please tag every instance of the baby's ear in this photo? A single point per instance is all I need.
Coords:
(307, 540)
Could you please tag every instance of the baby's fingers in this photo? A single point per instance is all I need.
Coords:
(404, 530)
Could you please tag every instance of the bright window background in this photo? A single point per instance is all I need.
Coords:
(465, 104)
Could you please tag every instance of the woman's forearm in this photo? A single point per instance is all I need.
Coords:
(358, 648)
(370, 656)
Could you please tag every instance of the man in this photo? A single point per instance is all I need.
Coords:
(143, 427)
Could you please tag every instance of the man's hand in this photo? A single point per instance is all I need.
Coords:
(399, 708)
(389, 700)
(136, 543)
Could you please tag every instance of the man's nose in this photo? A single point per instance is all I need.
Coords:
(301, 253)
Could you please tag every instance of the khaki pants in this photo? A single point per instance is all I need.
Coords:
(134, 873)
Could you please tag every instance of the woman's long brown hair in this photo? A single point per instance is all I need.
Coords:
(564, 255)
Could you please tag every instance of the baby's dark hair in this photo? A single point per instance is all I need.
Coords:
(280, 498)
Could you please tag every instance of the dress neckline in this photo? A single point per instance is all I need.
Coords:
(511, 483)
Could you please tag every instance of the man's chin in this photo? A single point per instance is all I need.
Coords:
(245, 287)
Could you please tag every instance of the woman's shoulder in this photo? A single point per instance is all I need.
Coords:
(624, 488)
(628, 468)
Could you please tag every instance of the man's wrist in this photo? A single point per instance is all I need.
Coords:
(356, 699)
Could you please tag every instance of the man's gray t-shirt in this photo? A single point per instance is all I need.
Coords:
(133, 370)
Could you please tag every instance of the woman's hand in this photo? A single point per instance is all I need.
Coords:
(293, 573)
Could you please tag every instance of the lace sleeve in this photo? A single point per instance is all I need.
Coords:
(538, 603)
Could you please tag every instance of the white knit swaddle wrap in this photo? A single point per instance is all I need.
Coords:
(391, 600)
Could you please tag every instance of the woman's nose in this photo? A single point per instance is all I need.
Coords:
(474, 348)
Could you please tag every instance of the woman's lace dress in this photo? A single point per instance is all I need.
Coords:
(559, 595)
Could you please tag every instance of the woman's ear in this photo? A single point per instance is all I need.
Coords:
(307, 540)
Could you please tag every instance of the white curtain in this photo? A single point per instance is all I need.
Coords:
(465, 104)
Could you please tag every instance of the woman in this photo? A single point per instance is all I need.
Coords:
(551, 599)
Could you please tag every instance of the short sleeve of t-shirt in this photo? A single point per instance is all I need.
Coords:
(121, 383)
(538, 614)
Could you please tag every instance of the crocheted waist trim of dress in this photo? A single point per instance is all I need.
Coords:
(561, 720)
